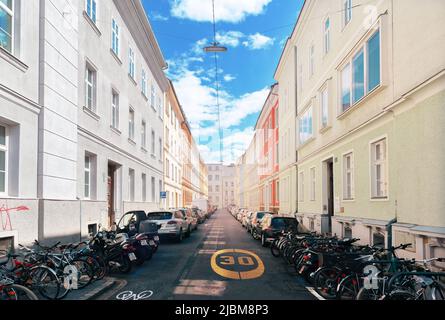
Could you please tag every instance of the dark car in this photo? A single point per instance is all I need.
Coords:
(273, 226)
(253, 224)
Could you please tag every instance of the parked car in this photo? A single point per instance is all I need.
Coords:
(191, 220)
(171, 224)
(272, 227)
(200, 215)
(255, 223)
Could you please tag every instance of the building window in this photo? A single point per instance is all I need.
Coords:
(144, 134)
(379, 179)
(312, 184)
(3, 160)
(7, 25)
(144, 83)
(90, 9)
(347, 232)
(378, 240)
(311, 60)
(217, 188)
(210, 189)
(348, 176)
(131, 63)
(357, 80)
(210, 178)
(115, 37)
(153, 96)
(144, 187)
(131, 185)
(217, 177)
(347, 8)
(160, 109)
(153, 189)
(87, 182)
(160, 148)
(153, 142)
(301, 189)
(160, 190)
(115, 110)
(277, 192)
(90, 88)
(306, 126)
(131, 124)
(324, 107)
(327, 35)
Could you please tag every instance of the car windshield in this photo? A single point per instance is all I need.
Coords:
(284, 223)
(159, 216)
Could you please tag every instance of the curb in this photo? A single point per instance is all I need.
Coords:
(101, 290)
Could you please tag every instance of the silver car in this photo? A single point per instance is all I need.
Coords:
(171, 223)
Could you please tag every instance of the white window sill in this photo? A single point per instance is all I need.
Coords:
(13, 60)
(302, 145)
(357, 104)
(132, 79)
(118, 60)
(91, 113)
(92, 23)
(379, 199)
(144, 150)
(131, 141)
(144, 96)
(325, 129)
(115, 130)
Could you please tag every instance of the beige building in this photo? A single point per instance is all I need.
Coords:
(221, 185)
(370, 98)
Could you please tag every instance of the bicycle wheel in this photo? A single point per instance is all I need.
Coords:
(45, 282)
(325, 282)
(17, 292)
(400, 295)
(348, 288)
(97, 264)
(368, 294)
(84, 273)
(438, 292)
(274, 248)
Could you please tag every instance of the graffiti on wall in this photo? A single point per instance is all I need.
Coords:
(5, 217)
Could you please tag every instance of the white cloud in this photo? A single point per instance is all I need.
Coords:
(258, 41)
(232, 11)
(156, 16)
(229, 38)
(229, 78)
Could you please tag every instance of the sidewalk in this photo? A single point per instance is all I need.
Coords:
(93, 291)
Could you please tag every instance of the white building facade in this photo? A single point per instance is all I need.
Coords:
(81, 118)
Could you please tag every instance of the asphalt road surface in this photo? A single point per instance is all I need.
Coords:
(198, 269)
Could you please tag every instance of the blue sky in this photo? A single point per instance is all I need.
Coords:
(254, 32)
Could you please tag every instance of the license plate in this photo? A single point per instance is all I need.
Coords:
(144, 243)
(156, 238)
(152, 243)
(132, 256)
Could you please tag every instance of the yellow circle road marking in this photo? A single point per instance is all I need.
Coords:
(245, 259)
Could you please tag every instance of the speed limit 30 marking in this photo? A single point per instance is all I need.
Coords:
(237, 264)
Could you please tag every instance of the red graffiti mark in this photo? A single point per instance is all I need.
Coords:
(7, 226)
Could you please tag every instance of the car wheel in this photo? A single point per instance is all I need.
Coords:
(263, 240)
(180, 236)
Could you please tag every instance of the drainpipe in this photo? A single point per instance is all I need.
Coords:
(389, 231)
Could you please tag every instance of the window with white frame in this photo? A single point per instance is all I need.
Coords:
(379, 179)
(361, 75)
(324, 97)
(131, 184)
(144, 187)
(348, 176)
(327, 35)
(90, 88)
(306, 126)
(153, 189)
(153, 142)
(131, 63)
(312, 184)
(144, 83)
(87, 181)
(7, 25)
(153, 95)
(347, 11)
(115, 110)
(115, 37)
(91, 9)
(144, 134)
(311, 60)
(131, 124)
(301, 187)
(3, 160)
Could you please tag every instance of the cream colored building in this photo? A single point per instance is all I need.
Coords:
(173, 155)
(370, 114)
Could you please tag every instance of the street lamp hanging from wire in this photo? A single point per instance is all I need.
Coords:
(216, 48)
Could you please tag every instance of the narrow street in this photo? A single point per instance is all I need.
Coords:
(184, 271)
